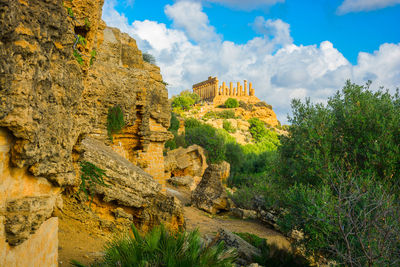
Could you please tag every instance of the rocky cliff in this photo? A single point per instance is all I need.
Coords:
(61, 71)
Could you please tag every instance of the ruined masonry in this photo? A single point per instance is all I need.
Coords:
(210, 90)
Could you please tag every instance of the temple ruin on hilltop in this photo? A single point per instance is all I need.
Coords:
(209, 90)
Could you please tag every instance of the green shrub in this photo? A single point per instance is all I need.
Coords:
(245, 106)
(227, 125)
(149, 58)
(257, 129)
(271, 255)
(358, 128)
(231, 103)
(115, 121)
(192, 123)
(91, 176)
(340, 164)
(159, 247)
(174, 123)
(352, 220)
(183, 102)
(208, 138)
(263, 104)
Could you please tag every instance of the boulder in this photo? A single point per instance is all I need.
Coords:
(189, 161)
(245, 251)
(130, 186)
(181, 181)
(210, 194)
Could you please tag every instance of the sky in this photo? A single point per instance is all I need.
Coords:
(287, 48)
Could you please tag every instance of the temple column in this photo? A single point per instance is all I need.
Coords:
(241, 91)
(238, 89)
(223, 88)
(216, 87)
(234, 91)
(245, 88)
(230, 88)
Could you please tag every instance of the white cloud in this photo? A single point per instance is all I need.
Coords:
(246, 4)
(279, 69)
(364, 5)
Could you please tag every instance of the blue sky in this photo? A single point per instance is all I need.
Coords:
(288, 48)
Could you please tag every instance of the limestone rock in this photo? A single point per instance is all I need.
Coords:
(25, 215)
(265, 114)
(245, 250)
(130, 186)
(181, 181)
(189, 161)
(210, 194)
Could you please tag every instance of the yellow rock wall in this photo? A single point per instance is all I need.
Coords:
(41, 246)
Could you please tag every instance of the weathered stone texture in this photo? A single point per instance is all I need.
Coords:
(49, 103)
(40, 250)
(189, 161)
(210, 194)
(130, 186)
(25, 203)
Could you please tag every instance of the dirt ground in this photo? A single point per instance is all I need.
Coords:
(82, 237)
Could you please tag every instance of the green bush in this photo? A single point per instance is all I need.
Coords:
(352, 220)
(271, 255)
(340, 164)
(160, 247)
(91, 176)
(227, 125)
(245, 106)
(257, 129)
(183, 102)
(208, 138)
(115, 121)
(358, 129)
(174, 123)
(263, 104)
(231, 103)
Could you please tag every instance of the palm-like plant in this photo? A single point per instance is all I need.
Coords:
(159, 247)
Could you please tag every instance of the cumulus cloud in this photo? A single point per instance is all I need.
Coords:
(279, 69)
(364, 5)
(246, 4)
(189, 17)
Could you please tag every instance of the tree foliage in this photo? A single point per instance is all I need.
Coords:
(358, 129)
(231, 103)
(340, 163)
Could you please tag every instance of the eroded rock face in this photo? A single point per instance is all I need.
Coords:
(49, 103)
(189, 161)
(210, 194)
(130, 186)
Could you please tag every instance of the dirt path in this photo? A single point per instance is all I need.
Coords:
(82, 239)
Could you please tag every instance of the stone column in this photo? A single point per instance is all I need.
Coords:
(215, 87)
(241, 91)
(245, 87)
(238, 89)
(223, 88)
(230, 88)
(251, 90)
(234, 91)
